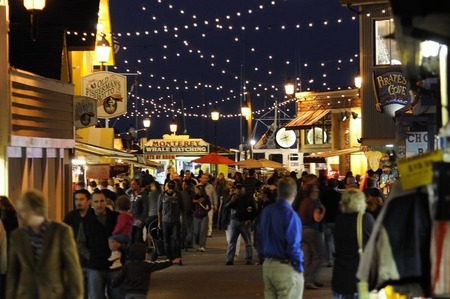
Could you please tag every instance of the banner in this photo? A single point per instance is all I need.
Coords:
(110, 91)
(177, 147)
(85, 112)
(98, 171)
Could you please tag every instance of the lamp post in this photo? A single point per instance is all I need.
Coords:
(215, 116)
(246, 111)
(289, 88)
(33, 6)
(358, 81)
(146, 122)
(102, 51)
(173, 127)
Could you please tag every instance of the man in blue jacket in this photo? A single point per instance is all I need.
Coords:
(279, 239)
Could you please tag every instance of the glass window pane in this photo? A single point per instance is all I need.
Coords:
(385, 48)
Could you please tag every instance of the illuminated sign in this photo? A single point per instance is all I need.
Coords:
(110, 91)
(176, 147)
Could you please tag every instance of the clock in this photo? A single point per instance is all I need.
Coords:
(285, 138)
(316, 136)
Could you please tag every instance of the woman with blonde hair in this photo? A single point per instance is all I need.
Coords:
(347, 253)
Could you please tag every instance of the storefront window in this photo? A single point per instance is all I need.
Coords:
(385, 48)
(320, 133)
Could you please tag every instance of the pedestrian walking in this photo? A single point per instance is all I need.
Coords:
(169, 213)
(279, 239)
(93, 244)
(211, 192)
(202, 206)
(187, 216)
(43, 259)
(153, 197)
(242, 213)
(139, 209)
(82, 199)
(353, 205)
(311, 214)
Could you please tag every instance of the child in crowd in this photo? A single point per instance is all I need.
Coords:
(122, 231)
(136, 274)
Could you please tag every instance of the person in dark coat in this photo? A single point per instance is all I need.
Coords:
(8, 215)
(346, 242)
(136, 274)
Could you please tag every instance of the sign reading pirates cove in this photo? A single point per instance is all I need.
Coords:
(110, 91)
(391, 90)
(177, 147)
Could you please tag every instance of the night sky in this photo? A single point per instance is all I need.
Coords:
(199, 51)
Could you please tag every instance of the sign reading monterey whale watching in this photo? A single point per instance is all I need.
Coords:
(110, 91)
(183, 147)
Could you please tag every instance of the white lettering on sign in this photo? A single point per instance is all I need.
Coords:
(162, 146)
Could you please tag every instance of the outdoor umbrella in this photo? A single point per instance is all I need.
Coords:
(213, 158)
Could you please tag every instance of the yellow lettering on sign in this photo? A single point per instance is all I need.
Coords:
(418, 171)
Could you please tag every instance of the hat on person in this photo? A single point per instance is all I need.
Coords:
(137, 252)
(238, 185)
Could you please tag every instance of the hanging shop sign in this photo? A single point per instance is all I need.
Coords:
(176, 147)
(98, 171)
(119, 169)
(416, 143)
(110, 91)
(391, 90)
(85, 112)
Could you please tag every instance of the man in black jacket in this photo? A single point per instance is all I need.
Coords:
(92, 241)
(74, 218)
(242, 213)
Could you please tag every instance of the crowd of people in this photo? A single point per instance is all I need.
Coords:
(295, 225)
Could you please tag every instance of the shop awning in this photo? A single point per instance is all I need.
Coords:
(103, 152)
(341, 152)
(307, 119)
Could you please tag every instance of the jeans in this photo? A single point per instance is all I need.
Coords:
(137, 234)
(238, 242)
(135, 296)
(172, 239)
(99, 282)
(188, 230)
(235, 229)
(344, 296)
(210, 222)
(200, 231)
(313, 248)
(329, 242)
(281, 281)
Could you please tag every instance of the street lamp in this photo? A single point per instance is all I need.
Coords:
(245, 110)
(173, 127)
(146, 122)
(102, 51)
(358, 81)
(289, 88)
(33, 6)
(215, 115)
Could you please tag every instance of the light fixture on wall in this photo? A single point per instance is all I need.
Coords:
(33, 6)
(102, 51)
(358, 81)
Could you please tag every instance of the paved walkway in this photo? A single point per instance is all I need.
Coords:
(204, 275)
